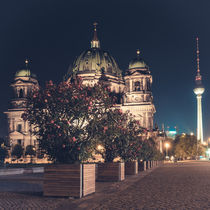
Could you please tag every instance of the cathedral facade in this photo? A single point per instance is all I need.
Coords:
(133, 85)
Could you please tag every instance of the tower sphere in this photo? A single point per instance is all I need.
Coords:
(199, 90)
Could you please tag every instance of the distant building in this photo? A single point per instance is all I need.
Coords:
(171, 134)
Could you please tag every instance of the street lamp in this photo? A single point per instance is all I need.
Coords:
(167, 145)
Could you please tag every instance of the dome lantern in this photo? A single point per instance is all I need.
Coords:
(95, 43)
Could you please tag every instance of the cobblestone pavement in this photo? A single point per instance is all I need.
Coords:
(173, 186)
(180, 186)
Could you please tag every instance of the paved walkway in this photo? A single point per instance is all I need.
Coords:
(173, 186)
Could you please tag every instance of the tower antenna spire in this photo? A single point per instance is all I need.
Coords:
(198, 77)
(198, 54)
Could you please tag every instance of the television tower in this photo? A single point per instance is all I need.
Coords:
(199, 90)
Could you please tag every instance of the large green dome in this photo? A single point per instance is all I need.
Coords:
(94, 60)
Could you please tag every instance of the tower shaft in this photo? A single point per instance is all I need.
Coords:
(199, 119)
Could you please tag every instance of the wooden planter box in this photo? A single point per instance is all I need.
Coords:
(131, 168)
(145, 165)
(141, 165)
(111, 172)
(72, 180)
(148, 164)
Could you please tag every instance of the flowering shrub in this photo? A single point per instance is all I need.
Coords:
(131, 140)
(70, 120)
(64, 118)
(119, 136)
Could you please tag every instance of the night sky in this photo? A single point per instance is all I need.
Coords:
(52, 33)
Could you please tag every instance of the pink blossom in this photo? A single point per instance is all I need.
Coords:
(45, 100)
(50, 82)
(52, 121)
(105, 129)
(59, 134)
(74, 139)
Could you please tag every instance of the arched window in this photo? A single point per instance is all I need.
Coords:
(19, 127)
(21, 93)
(148, 84)
(137, 86)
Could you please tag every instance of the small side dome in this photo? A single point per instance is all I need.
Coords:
(137, 62)
(25, 72)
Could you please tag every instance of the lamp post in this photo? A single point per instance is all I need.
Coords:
(167, 146)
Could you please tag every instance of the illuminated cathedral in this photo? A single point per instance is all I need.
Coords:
(132, 85)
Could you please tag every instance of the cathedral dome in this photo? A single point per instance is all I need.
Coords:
(137, 62)
(96, 60)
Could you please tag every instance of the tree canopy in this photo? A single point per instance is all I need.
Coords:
(186, 146)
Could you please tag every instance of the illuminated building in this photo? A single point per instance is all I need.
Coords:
(199, 90)
(18, 129)
(134, 86)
